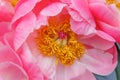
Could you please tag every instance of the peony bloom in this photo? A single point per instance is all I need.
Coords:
(62, 38)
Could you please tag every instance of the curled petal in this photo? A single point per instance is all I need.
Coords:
(24, 28)
(23, 8)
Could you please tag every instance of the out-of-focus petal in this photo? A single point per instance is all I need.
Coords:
(4, 27)
(66, 1)
(6, 11)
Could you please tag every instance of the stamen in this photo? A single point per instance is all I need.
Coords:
(117, 4)
(58, 40)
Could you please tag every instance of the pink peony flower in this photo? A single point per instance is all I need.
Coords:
(63, 38)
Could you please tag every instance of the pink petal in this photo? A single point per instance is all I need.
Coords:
(99, 61)
(11, 71)
(114, 31)
(96, 39)
(23, 8)
(69, 72)
(96, 1)
(7, 54)
(75, 15)
(81, 27)
(52, 9)
(6, 11)
(30, 64)
(41, 20)
(8, 39)
(47, 65)
(87, 19)
(4, 27)
(66, 1)
(86, 76)
(105, 14)
(23, 29)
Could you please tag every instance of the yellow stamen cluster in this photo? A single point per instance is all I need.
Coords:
(117, 4)
(13, 2)
(65, 50)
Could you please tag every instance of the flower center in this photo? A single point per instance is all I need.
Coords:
(117, 4)
(59, 41)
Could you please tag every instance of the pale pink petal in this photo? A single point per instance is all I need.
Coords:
(69, 72)
(41, 20)
(6, 11)
(105, 14)
(75, 15)
(53, 9)
(23, 29)
(81, 27)
(66, 1)
(98, 40)
(47, 65)
(86, 76)
(99, 61)
(114, 31)
(7, 54)
(11, 71)
(30, 64)
(87, 19)
(23, 8)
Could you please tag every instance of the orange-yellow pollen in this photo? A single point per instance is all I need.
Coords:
(13, 2)
(59, 41)
(117, 4)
